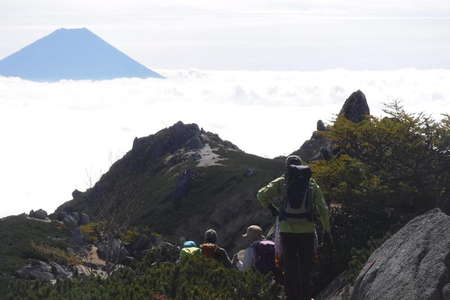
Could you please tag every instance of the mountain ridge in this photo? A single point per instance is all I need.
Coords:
(179, 181)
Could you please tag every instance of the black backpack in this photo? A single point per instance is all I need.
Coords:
(297, 202)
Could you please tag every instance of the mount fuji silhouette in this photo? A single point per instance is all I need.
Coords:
(75, 54)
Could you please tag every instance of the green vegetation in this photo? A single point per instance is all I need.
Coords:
(195, 278)
(58, 255)
(91, 231)
(387, 171)
(17, 235)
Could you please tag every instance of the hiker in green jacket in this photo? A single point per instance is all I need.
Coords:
(299, 205)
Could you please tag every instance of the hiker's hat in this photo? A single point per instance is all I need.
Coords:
(189, 244)
(210, 236)
(254, 232)
(294, 160)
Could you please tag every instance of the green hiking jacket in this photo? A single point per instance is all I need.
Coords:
(274, 192)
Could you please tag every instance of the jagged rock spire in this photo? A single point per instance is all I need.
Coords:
(355, 107)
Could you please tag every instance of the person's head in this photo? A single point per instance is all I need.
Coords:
(210, 236)
(254, 233)
(294, 160)
(189, 244)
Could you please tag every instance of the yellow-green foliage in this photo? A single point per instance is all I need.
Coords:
(402, 160)
(129, 236)
(91, 231)
(386, 171)
(348, 181)
(55, 254)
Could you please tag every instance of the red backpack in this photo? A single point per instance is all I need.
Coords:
(209, 250)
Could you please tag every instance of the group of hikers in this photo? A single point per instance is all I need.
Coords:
(297, 203)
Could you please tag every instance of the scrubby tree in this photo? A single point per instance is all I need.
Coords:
(386, 171)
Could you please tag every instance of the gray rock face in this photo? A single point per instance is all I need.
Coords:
(70, 221)
(112, 250)
(38, 271)
(355, 107)
(446, 292)
(39, 214)
(414, 264)
(60, 272)
(73, 218)
(338, 289)
(311, 149)
(321, 126)
(84, 219)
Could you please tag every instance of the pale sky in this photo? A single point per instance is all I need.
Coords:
(247, 35)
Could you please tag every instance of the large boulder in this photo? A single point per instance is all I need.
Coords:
(112, 250)
(38, 270)
(60, 272)
(39, 214)
(338, 289)
(73, 218)
(355, 107)
(414, 264)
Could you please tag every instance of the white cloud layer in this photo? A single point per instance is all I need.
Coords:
(60, 136)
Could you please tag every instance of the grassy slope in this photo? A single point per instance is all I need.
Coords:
(16, 235)
(222, 197)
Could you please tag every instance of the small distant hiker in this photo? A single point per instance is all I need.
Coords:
(260, 255)
(189, 248)
(210, 249)
(297, 200)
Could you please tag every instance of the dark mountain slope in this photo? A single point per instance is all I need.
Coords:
(178, 182)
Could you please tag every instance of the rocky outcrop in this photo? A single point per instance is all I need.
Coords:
(414, 264)
(321, 126)
(311, 149)
(82, 270)
(60, 272)
(39, 270)
(39, 214)
(355, 107)
(338, 289)
(73, 218)
(112, 250)
(179, 181)
(168, 148)
(319, 146)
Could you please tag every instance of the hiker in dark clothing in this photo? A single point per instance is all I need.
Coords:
(300, 204)
(210, 249)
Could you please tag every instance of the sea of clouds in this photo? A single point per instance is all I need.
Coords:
(57, 137)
